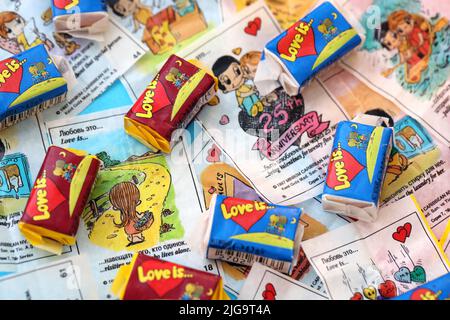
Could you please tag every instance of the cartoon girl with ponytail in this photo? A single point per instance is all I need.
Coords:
(125, 197)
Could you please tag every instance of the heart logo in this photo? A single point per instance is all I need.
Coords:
(151, 105)
(214, 154)
(161, 286)
(403, 275)
(224, 120)
(387, 289)
(53, 199)
(402, 232)
(243, 218)
(65, 4)
(350, 169)
(370, 293)
(418, 274)
(12, 83)
(269, 293)
(298, 42)
(253, 27)
(357, 296)
(424, 294)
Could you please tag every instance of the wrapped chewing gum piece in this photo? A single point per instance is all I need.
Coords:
(29, 82)
(357, 169)
(170, 102)
(148, 278)
(307, 47)
(60, 193)
(80, 17)
(244, 231)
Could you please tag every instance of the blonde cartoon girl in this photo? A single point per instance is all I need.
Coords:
(125, 197)
(12, 33)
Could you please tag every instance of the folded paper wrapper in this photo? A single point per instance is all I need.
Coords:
(170, 103)
(355, 205)
(203, 236)
(88, 20)
(139, 281)
(274, 71)
(59, 196)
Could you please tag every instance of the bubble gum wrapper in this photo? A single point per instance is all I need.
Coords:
(80, 17)
(58, 198)
(437, 289)
(307, 47)
(148, 278)
(357, 169)
(29, 82)
(243, 232)
(170, 102)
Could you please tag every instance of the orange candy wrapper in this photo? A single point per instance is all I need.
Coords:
(148, 278)
(170, 102)
(60, 193)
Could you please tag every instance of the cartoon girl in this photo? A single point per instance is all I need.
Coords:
(125, 197)
(139, 12)
(12, 33)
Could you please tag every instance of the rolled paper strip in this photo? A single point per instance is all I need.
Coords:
(437, 289)
(170, 102)
(58, 198)
(244, 231)
(88, 16)
(29, 82)
(307, 47)
(148, 278)
(357, 169)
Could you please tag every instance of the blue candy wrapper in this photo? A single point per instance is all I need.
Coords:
(438, 289)
(307, 47)
(29, 82)
(80, 16)
(357, 169)
(244, 231)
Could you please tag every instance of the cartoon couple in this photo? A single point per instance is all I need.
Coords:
(13, 36)
(412, 36)
(238, 76)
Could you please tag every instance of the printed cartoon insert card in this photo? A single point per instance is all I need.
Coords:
(378, 260)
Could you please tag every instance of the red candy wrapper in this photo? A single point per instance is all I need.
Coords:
(60, 193)
(148, 278)
(170, 102)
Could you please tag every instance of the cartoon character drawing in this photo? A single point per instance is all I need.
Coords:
(277, 224)
(356, 140)
(64, 170)
(411, 36)
(327, 29)
(10, 179)
(65, 41)
(192, 292)
(139, 12)
(397, 164)
(177, 78)
(38, 72)
(125, 197)
(235, 77)
(12, 33)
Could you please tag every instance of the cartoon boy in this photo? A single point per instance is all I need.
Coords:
(134, 8)
(232, 77)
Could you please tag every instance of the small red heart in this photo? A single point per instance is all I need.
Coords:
(270, 292)
(214, 154)
(253, 27)
(408, 228)
(247, 219)
(12, 83)
(387, 289)
(160, 286)
(357, 296)
(400, 235)
(64, 4)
